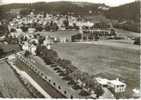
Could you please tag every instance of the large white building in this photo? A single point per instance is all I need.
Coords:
(116, 85)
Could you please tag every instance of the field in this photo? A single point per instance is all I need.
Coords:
(105, 61)
(10, 86)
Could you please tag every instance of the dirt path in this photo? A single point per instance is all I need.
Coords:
(117, 44)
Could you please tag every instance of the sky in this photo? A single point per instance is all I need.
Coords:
(107, 2)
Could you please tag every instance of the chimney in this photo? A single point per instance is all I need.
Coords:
(117, 79)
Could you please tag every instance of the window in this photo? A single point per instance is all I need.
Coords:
(42, 74)
(65, 92)
(54, 83)
(59, 87)
(45, 77)
(71, 97)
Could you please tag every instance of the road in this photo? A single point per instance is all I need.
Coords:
(115, 43)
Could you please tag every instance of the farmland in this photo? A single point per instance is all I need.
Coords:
(105, 61)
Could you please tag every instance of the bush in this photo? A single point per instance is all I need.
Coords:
(76, 37)
(24, 28)
(1, 52)
(49, 56)
(99, 91)
(137, 41)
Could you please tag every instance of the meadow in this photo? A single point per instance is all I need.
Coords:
(104, 61)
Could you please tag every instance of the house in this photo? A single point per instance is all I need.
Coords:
(25, 46)
(31, 30)
(116, 85)
(29, 47)
(33, 49)
(102, 81)
(136, 93)
(47, 41)
(63, 39)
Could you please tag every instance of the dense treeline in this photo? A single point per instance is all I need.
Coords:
(129, 11)
(69, 71)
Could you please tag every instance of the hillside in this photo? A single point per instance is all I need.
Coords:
(129, 11)
(79, 8)
(127, 16)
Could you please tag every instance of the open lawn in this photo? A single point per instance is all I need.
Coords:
(105, 61)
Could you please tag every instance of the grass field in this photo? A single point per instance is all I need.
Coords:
(105, 61)
(10, 86)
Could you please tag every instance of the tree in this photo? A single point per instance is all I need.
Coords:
(25, 12)
(24, 28)
(27, 53)
(39, 28)
(64, 63)
(66, 23)
(47, 27)
(137, 41)
(49, 56)
(113, 33)
(41, 39)
(99, 91)
(4, 29)
(1, 52)
(76, 75)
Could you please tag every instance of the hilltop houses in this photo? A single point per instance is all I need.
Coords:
(49, 22)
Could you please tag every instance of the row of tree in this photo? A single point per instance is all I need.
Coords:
(69, 70)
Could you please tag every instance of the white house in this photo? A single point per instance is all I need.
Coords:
(136, 93)
(48, 46)
(31, 30)
(102, 81)
(25, 46)
(11, 57)
(29, 47)
(116, 85)
(33, 49)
